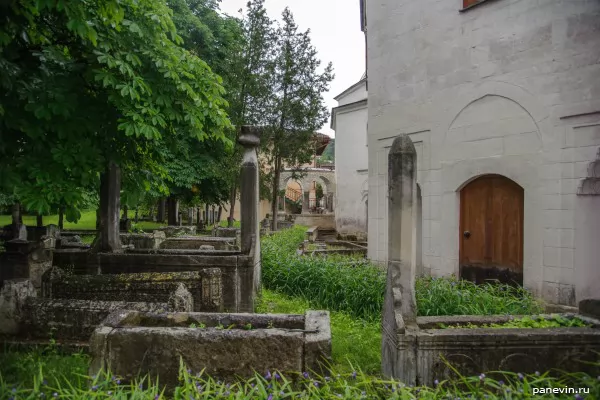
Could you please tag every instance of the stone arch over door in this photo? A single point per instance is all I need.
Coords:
(491, 230)
(506, 93)
(523, 172)
(514, 150)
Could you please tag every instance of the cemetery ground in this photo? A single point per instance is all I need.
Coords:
(352, 289)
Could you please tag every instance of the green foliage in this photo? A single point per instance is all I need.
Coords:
(85, 82)
(329, 152)
(538, 321)
(37, 383)
(319, 192)
(451, 296)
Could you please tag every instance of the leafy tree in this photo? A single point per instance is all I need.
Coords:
(88, 84)
(297, 108)
(250, 87)
(329, 152)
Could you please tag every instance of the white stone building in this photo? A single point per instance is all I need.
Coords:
(502, 101)
(349, 121)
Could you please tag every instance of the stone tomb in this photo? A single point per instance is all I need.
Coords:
(72, 306)
(204, 287)
(223, 345)
(25, 259)
(237, 269)
(413, 350)
(143, 240)
(196, 243)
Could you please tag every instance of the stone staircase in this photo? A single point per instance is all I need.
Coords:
(590, 186)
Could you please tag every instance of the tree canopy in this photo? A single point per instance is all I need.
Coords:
(155, 87)
(86, 82)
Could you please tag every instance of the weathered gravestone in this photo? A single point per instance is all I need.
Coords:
(418, 352)
(399, 313)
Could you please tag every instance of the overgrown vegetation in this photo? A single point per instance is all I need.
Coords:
(355, 342)
(452, 296)
(326, 282)
(355, 286)
(54, 376)
(556, 321)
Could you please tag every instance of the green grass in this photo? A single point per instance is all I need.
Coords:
(335, 283)
(452, 296)
(355, 342)
(224, 224)
(87, 222)
(55, 367)
(48, 375)
(355, 286)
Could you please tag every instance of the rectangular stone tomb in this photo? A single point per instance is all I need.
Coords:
(472, 351)
(143, 240)
(200, 243)
(72, 319)
(205, 287)
(339, 247)
(238, 271)
(223, 345)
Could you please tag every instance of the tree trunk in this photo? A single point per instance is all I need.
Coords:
(275, 195)
(161, 210)
(98, 212)
(16, 214)
(172, 211)
(110, 208)
(39, 219)
(219, 214)
(232, 199)
(137, 214)
(61, 218)
(125, 212)
(207, 216)
(190, 216)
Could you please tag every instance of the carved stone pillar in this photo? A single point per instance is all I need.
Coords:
(306, 203)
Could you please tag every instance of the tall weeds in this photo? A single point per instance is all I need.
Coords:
(357, 287)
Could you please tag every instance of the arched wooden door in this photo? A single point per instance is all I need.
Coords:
(491, 230)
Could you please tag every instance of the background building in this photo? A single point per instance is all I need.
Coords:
(349, 121)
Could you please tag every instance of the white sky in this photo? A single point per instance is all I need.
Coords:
(335, 33)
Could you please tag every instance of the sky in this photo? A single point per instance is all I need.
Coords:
(335, 33)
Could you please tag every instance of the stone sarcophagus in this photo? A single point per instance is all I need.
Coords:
(417, 352)
(222, 345)
(199, 242)
(204, 286)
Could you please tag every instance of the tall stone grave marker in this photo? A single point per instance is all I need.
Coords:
(399, 312)
(249, 199)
